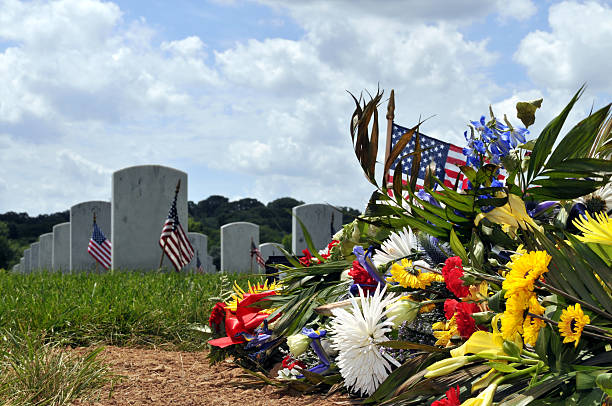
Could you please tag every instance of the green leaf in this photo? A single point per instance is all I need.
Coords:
(397, 181)
(578, 141)
(498, 366)
(495, 301)
(458, 247)
(416, 162)
(547, 139)
(589, 165)
(398, 148)
(525, 111)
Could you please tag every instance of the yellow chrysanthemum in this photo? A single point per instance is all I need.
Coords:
(232, 304)
(596, 229)
(409, 277)
(572, 323)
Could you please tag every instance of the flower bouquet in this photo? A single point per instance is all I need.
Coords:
(496, 291)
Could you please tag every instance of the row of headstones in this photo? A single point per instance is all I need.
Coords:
(141, 197)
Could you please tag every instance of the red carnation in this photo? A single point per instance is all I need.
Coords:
(360, 275)
(450, 307)
(452, 398)
(452, 273)
(465, 322)
(217, 315)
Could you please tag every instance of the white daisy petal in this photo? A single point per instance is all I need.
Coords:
(398, 245)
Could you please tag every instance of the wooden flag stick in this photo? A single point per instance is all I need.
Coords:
(161, 260)
(390, 117)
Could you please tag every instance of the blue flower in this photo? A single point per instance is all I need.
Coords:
(496, 183)
(313, 333)
(486, 132)
(518, 135)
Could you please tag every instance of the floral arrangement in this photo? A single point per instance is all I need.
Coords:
(497, 293)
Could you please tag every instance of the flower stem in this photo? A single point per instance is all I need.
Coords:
(586, 333)
(586, 305)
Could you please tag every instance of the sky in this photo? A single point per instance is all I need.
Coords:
(250, 98)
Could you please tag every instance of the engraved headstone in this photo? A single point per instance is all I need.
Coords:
(321, 221)
(34, 256)
(199, 242)
(141, 199)
(45, 252)
(81, 228)
(61, 247)
(236, 240)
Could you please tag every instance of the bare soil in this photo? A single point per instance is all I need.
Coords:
(158, 377)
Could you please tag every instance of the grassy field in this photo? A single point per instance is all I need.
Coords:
(41, 314)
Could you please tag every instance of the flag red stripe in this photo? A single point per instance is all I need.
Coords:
(455, 148)
(99, 251)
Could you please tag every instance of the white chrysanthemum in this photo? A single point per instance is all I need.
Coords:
(356, 334)
(398, 245)
(599, 200)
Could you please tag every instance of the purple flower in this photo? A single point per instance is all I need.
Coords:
(365, 260)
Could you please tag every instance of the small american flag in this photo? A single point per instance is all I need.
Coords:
(174, 241)
(99, 247)
(446, 157)
(257, 253)
(199, 266)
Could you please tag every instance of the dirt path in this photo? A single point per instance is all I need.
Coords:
(156, 377)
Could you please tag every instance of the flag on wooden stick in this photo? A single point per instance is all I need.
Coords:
(173, 240)
(99, 246)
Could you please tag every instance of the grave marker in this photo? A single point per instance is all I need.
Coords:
(60, 260)
(46, 251)
(199, 242)
(81, 228)
(141, 199)
(321, 221)
(34, 256)
(236, 239)
(27, 260)
(269, 249)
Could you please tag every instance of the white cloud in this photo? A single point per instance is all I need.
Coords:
(575, 50)
(273, 112)
(516, 9)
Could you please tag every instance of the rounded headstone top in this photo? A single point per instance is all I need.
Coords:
(66, 224)
(35, 244)
(88, 203)
(240, 223)
(312, 205)
(194, 233)
(46, 235)
(137, 168)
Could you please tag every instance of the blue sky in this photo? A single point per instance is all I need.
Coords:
(249, 97)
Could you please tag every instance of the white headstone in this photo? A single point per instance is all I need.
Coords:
(34, 256)
(46, 251)
(210, 265)
(81, 228)
(61, 247)
(22, 265)
(199, 242)
(321, 221)
(16, 268)
(27, 260)
(142, 196)
(269, 249)
(236, 240)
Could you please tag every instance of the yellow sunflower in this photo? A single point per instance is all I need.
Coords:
(531, 329)
(572, 323)
(525, 270)
(596, 229)
(408, 277)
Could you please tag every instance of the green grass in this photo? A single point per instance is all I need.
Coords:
(33, 372)
(119, 308)
(42, 314)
